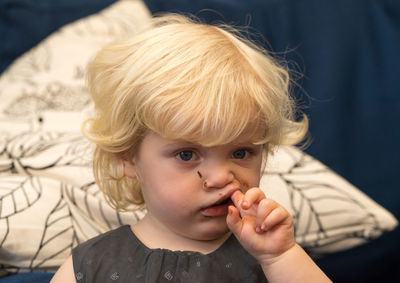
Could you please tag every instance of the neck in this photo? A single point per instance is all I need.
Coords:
(154, 235)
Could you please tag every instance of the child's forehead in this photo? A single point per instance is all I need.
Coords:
(250, 135)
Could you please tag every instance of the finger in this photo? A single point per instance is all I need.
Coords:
(234, 221)
(277, 216)
(237, 197)
(264, 209)
(252, 196)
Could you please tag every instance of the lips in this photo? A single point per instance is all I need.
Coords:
(220, 207)
(217, 210)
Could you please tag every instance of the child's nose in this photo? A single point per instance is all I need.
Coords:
(217, 177)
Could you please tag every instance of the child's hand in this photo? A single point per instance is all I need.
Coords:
(262, 226)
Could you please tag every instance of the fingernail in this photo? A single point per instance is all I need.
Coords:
(245, 203)
(258, 229)
(263, 227)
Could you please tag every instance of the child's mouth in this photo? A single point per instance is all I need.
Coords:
(218, 209)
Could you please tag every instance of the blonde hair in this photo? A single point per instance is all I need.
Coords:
(184, 80)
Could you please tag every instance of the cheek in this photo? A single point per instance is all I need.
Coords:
(249, 180)
(169, 187)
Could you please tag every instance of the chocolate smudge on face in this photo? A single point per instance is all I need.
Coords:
(244, 185)
(198, 173)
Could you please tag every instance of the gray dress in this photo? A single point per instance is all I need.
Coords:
(119, 256)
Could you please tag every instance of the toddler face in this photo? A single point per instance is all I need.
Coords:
(187, 187)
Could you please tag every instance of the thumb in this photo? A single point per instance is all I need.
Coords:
(234, 221)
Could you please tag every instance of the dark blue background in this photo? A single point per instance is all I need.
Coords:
(349, 55)
(24, 23)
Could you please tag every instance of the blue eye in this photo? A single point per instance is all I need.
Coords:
(186, 155)
(239, 154)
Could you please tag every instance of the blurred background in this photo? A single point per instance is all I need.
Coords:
(344, 57)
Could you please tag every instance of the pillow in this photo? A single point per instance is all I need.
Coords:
(49, 201)
(329, 213)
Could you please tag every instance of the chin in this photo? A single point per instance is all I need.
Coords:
(212, 231)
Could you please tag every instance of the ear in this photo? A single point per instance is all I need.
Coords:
(129, 167)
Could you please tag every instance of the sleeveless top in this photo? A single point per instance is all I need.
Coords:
(119, 256)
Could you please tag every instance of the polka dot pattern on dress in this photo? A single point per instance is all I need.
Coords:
(79, 276)
(114, 276)
(168, 275)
